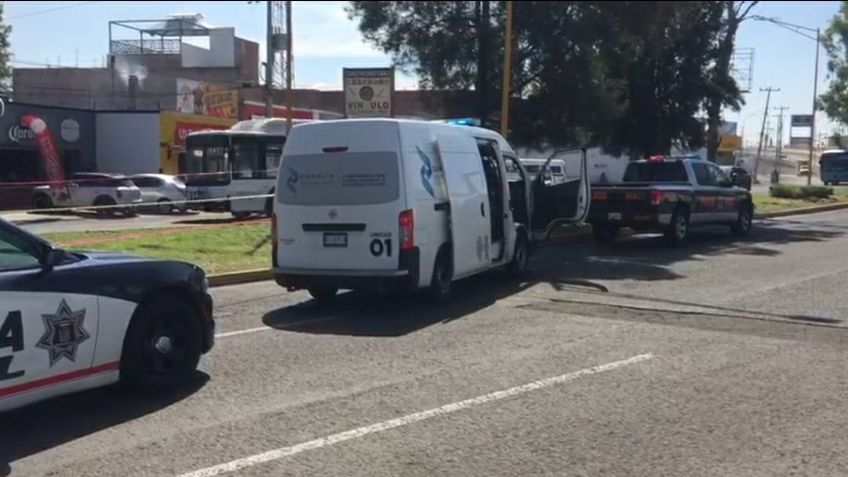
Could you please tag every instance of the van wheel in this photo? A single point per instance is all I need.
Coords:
(678, 229)
(324, 294)
(518, 266)
(440, 283)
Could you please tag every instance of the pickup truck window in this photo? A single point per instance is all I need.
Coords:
(655, 172)
(703, 175)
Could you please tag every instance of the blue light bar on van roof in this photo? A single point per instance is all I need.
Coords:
(463, 121)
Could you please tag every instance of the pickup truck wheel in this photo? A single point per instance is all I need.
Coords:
(605, 233)
(743, 223)
(678, 229)
(104, 201)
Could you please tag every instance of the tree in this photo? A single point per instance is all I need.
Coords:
(630, 75)
(724, 91)
(5, 55)
(834, 101)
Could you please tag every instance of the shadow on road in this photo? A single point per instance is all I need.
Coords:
(563, 267)
(51, 423)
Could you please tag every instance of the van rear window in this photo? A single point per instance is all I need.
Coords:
(351, 178)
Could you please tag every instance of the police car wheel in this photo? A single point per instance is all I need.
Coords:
(743, 223)
(678, 230)
(162, 346)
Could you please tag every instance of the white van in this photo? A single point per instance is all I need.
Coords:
(398, 204)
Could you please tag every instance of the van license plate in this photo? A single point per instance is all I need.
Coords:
(614, 216)
(335, 240)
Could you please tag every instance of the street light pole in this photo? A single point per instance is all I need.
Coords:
(813, 119)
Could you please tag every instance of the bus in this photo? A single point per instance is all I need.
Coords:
(834, 166)
(222, 166)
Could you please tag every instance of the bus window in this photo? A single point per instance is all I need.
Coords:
(273, 154)
(246, 160)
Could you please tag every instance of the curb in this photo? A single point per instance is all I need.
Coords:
(238, 278)
(802, 210)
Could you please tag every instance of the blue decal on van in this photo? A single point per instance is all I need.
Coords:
(292, 180)
(426, 172)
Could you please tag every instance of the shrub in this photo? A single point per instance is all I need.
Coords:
(786, 191)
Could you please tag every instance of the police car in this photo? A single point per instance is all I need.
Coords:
(73, 321)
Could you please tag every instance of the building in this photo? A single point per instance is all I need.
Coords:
(22, 165)
(153, 64)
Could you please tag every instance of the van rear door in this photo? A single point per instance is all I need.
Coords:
(559, 203)
(339, 197)
(470, 225)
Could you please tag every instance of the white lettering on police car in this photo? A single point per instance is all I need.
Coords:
(63, 333)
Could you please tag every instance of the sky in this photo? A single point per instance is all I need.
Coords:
(325, 41)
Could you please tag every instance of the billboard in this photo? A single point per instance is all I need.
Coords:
(368, 92)
(206, 99)
(801, 120)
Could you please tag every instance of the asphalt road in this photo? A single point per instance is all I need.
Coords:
(725, 357)
(82, 222)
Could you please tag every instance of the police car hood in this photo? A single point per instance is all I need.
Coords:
(113, 256)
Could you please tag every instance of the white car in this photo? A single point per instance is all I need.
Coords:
(74, 321)
(164, 192)
(86, 189)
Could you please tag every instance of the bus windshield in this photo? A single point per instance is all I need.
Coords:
(207, 160)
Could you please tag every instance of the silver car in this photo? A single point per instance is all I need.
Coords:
(161, 192)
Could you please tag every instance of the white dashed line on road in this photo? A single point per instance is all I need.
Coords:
(229, 334)
(284, 452)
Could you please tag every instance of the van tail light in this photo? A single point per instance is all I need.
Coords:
(274, 239)
(656, 197)
(406, 223)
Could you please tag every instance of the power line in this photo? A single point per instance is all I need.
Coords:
(51, 10)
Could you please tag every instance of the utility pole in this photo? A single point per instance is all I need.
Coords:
(813, 119)
(481, 8)
(269, 61)
(289, 66)
(507, 70)
(768, 91)
(779, 145)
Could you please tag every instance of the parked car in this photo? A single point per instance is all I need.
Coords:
(164, 193)
(71, 321)
(86, 189)
(670, 195)
(739, 176)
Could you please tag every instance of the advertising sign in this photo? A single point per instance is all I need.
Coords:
(183, 129)
(368, 92)
(801, 120)
(730, 142)
(206, 99)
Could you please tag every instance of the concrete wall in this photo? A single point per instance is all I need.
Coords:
(128, 142)
(220, 54)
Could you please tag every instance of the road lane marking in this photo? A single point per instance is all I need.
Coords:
(243, 332)
(283, 452)
(270, 328)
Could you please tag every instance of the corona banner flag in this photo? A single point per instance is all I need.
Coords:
(46, 147)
